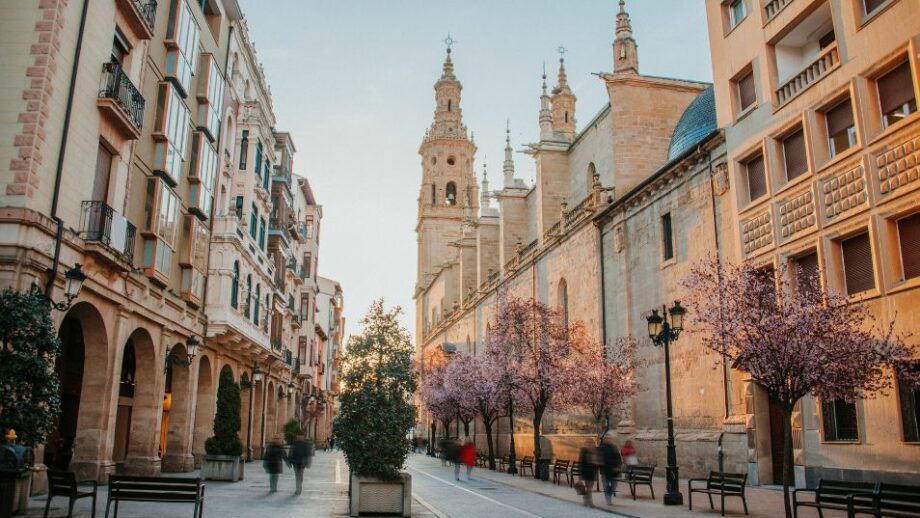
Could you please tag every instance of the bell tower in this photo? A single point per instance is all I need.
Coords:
(449, 188)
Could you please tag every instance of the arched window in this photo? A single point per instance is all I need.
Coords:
(128, 367)
(248, 301)
(255, 308)
(451, 196)
(562, 295)
(268, 313)
(235, 286)
(566, 117)
(591, 172)
(450, 105)
(434, 194)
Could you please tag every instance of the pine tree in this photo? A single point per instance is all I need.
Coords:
(226, 438)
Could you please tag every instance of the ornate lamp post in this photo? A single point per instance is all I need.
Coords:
(74, 279)
(662, 332)
(191, 350)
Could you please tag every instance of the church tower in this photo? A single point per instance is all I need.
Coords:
(563, 102)
(625, 50)
(449, 190)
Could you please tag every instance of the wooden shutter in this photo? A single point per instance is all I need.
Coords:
(757, 181)
(839, 118)
(746, 92)
(806, 275)
(895, 88)
(909, 237)
(103, 171)
(857, 264)
(794, 152)
(872, 5)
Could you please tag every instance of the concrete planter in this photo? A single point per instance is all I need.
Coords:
(222, 467)
(372, 496)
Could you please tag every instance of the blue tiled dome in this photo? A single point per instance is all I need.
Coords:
(698, 121)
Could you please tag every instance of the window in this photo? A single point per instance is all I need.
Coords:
(859, 273)
(756, 177)
(266, 174)
(794, 154)
(667, 237)
(182, 35)
(807, 276)
(254, 222)
(309, 227)
(161, 219)
(839, 418)
(255, 304)
(244, 150)
(909, 399)
(120, 48)
(737, 12)
(451, 195)
(248, 301)
(202, 172)
(872, 5)
(308, 264)
(841, 130)
(747, 93)
(258, 167)
(103, 171)
(171, 133)
(239, 207)
(909, 240)
(896, 94)
(211, 97)
(434, 194)
(262, 233)
(235, 286)
(194, 260)
(451, 160)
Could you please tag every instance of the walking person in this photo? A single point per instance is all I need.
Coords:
(272, 462)
(300, 459)
(610, 466)
(453, 456)
(587, 461)
(468, 456)
(628, 453)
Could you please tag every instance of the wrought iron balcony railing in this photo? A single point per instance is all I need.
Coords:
(102, 224)
(148, 9)
(117, 86)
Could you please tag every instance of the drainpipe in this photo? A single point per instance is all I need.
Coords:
(59, 170)
(603, 294)
(715, 232)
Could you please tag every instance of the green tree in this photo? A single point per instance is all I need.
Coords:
(226, 438)
(292, 429)
(30, 399)
(375, 412)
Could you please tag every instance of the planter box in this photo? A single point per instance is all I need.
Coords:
(221, 467)
(372, 496)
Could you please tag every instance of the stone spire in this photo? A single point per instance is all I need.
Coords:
(508, 166)
(625, 50)
(448, 118)
(546, 113)
(563, 102)
(484, 190)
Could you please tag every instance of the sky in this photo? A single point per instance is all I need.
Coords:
(352, 80)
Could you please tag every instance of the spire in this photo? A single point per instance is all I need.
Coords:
(563, 102)
(508, 166)
(448, 73)
(624, 26)
(484, 195)
(625, 51)
(562, 82)
(546, 113)
(448, 118)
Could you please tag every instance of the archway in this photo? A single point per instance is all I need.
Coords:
(137, 420)
(177, 408)
(247, 392)
(258, 418)
(205, 407)
(271, 427)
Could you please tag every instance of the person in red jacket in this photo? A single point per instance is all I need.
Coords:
(468, 457)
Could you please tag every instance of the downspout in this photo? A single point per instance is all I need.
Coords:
(59, 170)
(603, 294)
(715, 232)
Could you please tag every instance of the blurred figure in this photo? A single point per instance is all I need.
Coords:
(331, 443)
(588, 461)
(453, 455)
(628, 453)
(467, 457)
(300, 458)
(272, 462)
(442, 450)
(610, 466)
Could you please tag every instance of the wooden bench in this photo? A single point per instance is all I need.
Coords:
(561, 469)
(892, 500)
(64, 483)
(526, 463)
(832, 495)
(156, 489)
(722, 484)
(575, 471)
(639, 476)
(503, 462)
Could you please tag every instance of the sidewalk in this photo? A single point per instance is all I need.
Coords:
(762, 502)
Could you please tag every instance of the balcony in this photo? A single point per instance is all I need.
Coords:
(773, 7)
(288, 357)
(805, 55)
(107, 234)
(820, 67)
(121, 102)
(140, 16)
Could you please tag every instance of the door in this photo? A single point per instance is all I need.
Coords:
(103, 170)
(777, 416)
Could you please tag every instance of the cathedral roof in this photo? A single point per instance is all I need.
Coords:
(697, 122)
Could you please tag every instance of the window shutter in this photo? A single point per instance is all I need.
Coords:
(839, 118)
(895, 88)
(909, 237)
(806, 274)
(794, 152)
(746, 92)
(857, 264)
(757, 181)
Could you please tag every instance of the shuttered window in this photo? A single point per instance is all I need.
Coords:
(841, 131)
(909, 238)
(757, 181)
(747, 94)
(794, 154)
(857, 264)
(896, 94)
(839, 417)
(807, 280)
(909, 396)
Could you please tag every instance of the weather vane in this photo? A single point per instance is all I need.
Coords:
(449, 42)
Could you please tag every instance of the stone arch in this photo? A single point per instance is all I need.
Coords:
(246, 392)
(176, 423)
(592, 170)
(450, 193)
(258, 417)
(81, 428)
(271, 397)
(141, 417)
(206, 398)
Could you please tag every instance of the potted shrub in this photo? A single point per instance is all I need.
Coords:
(222, 450)
(376, 414)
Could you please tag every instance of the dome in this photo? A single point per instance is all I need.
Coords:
(698, 121)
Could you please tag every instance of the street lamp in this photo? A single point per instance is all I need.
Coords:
(74, 279)
(662, 332)
(191, 349)
(256, 373)
(290, 388)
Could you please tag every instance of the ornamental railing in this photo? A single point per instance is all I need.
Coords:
(117, 86)
(148, 9)
(773, 8)
(527, 250)
(817, 69)
(102, 224)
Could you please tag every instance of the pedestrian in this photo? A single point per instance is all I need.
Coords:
(272, 462)
(468, 456)
(587, 462)
(453, 456)
(442, 450)
(414, 444)
(332, 443)
(628, 453)
(300, 459)
(610, 466)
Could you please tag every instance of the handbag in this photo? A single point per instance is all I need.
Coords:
(580, 487)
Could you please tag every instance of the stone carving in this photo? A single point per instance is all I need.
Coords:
(756, 232)
(797, 214)
(844, 192)
(619, 237)
(720, 179)
(898, 166)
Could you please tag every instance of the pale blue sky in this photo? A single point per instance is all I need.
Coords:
(352, 81)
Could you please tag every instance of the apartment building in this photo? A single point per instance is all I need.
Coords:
(325, 357)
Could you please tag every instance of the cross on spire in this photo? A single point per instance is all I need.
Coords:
(449, 42)
(561, 50)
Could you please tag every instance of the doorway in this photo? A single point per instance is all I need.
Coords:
(777, 438)
(69, 368)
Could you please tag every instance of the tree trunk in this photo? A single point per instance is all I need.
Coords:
(537, 451)
(787, 459)
(466, 428)
(489, 442)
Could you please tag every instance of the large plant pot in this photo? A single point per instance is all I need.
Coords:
(222, 467)
(372, 496)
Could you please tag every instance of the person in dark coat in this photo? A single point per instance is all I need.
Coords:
(272, 461)
(610, 466)
(300, 459)
(587, 462)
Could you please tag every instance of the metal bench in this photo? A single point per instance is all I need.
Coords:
(833, 495)
(891, 500)
(561, 469)
(156, 489)
(503, 462)
(722, 484)
(639, 476)
(64, 483)
(526, 463)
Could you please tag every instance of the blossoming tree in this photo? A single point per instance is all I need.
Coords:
(605, 377)
(475, 382)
